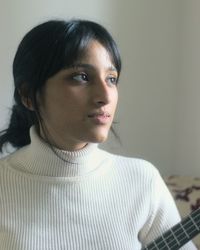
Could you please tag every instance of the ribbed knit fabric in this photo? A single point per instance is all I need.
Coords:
(87, 199)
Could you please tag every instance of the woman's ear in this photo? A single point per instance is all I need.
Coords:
(26, 101)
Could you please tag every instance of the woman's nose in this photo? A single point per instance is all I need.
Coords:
(101, 93)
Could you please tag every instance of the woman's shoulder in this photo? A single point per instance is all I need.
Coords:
(3, 159)
(133, 166)
(135, 174)
(133, 162)
(7, 156)
(3, 163)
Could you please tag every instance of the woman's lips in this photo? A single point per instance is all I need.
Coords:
(101, 118)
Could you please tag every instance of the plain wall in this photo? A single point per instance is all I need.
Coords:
(155, 40)
(187, 140)
(147, 36)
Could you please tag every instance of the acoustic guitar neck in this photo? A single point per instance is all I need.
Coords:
(178, 235)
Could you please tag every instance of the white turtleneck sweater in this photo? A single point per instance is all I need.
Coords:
(87, 199)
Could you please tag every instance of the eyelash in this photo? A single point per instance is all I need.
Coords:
(83, 78)
(111, 78)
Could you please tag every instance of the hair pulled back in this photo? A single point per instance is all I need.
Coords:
(45, 50)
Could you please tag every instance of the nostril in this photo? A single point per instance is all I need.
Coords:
(101, 102)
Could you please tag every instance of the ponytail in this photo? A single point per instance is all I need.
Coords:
(17, 133)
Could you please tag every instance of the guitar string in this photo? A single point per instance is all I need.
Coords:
(195, 217)
(155, 247)
(191, 229)
(173, 241)
(168, 245)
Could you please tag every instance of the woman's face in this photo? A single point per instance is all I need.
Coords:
(78, 103)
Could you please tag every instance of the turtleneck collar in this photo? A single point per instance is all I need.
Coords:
(39, 158)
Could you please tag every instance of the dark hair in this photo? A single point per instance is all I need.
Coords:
(45, 50)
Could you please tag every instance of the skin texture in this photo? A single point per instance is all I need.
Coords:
(78, 104)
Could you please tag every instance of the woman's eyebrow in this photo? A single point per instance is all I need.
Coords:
(82, 65)
(91, 67)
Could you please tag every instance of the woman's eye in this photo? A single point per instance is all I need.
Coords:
(112, 80)
(81, 77)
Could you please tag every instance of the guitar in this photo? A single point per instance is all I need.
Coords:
(178, 235)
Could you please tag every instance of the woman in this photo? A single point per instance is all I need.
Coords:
(58, 190)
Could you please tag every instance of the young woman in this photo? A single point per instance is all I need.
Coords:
(58, 190)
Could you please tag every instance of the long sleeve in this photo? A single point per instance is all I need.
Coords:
(163, 213)
(83, 200)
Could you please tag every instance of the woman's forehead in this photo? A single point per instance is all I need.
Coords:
(94, 47)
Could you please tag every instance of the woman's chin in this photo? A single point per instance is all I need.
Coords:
(99, 138)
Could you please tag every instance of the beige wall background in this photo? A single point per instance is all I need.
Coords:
(158, 113)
